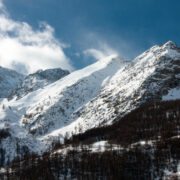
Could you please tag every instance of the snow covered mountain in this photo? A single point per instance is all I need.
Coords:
(37, 80)
(9, 79)
(93, 96)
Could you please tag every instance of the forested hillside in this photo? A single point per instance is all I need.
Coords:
(147, 147)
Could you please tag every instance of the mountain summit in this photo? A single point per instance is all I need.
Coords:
(38, 80)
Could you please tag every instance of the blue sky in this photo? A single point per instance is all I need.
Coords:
(127, 27)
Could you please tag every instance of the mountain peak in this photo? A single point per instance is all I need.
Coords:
(170, 44)
(37, 80)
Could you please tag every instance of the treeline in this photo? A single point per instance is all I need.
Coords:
(148, 122)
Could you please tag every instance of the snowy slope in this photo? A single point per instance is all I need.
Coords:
(48, 109)
(90, 97)
(9, 79)
(58, 101)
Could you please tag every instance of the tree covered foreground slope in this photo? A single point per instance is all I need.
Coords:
(148, 141)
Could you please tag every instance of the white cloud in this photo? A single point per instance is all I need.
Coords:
(26, 50)
(100, 52)
(97, 54)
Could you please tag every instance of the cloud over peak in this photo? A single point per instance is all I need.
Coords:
(25, 49)
(101, 51)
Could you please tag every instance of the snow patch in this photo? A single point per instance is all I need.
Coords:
(173, 94)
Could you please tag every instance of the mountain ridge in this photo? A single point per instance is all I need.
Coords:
(94, 96)
(37, 80)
